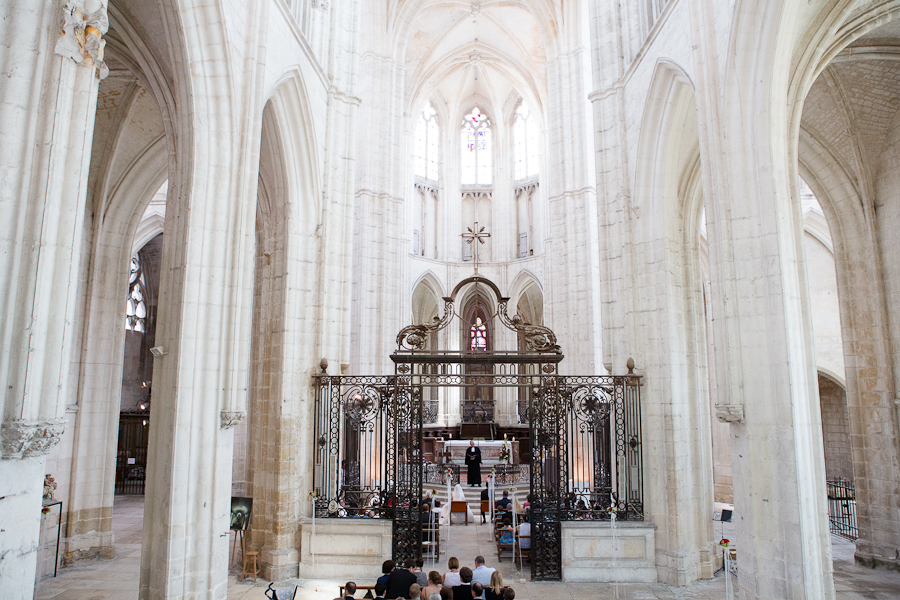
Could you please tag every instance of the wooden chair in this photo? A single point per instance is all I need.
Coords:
(459, 506)
(522, 552)
(431, 542)
(501, 546)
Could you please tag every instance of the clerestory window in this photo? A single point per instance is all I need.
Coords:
(427, 144)
(526, 139)
(476, 148)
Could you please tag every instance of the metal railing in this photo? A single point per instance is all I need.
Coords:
(842, 508)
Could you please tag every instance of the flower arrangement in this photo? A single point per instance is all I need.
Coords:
(505, 452)
(724, 542)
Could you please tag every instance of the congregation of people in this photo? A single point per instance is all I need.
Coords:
(409, 581)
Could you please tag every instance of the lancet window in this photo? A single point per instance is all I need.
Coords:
(135, 306)
(427, 144)
(526, 140)
(476, 149)
(478, 336)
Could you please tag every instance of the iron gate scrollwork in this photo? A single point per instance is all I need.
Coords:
(586, 459)
(584, 432)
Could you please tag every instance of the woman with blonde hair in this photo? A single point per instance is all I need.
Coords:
(451, 577)
(495, 590)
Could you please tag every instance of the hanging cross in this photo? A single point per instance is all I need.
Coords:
(475, 234)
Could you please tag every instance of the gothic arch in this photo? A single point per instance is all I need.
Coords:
(666, 208)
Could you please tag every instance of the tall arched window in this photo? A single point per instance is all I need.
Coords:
(135, 307)
(525, 144)
(427, 144)
(476, 149)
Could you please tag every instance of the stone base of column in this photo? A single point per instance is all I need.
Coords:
(345, 549)
(21, 488)
(877, 556)
(280, 564)
(89, 537)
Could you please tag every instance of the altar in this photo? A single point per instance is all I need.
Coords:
(490, 451)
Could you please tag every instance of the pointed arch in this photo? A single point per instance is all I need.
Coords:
(668, 312)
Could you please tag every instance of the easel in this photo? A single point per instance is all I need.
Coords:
(238, 534)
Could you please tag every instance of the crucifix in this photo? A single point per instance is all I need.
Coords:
(475, 234)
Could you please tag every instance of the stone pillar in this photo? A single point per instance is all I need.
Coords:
(572, 306)
(47, 105)
(380, 238)
(764, 355)
(200, 378)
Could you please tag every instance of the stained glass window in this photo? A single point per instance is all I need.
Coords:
(135, 306)
(476, 149)
(427, 144)
(525, 143)
(478, 336)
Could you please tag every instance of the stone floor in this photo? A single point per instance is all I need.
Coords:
(118, 578)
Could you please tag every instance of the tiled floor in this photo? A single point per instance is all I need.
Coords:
(118, 578)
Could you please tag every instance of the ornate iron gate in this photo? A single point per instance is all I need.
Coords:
(585, 459)
(584, 430)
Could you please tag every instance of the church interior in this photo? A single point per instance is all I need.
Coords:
(274, 269)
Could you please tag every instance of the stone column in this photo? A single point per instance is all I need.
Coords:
(200, 377)
(381, 297)
(764, 356)
(573, 270)
(47, 105)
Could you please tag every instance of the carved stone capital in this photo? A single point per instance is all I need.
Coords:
(22, 439)
(730, 413)
(81, 37)
(230, 418)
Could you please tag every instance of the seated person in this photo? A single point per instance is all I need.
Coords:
(400, 580)
(386, 568)
(481, 574)
(451, 577)
(495, 590)
(525, 530)
(504, 503)
(463, 591)
(506, 532)
(380, 589)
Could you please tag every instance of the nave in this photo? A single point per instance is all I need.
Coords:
(118, 578)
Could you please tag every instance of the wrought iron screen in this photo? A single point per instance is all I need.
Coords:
(585, 458)
(585, 435)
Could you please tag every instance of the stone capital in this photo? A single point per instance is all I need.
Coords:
(729, 413)
(22, 438)
(230, 418)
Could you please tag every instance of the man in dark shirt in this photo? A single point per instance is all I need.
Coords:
(349, 590)
(503, 503)
(464, 590)
(380, 589)
(484, 496)
(400, 580)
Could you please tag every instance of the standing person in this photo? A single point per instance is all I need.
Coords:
(451, 577)
(473, 463)
(484, 496)
(482, 574)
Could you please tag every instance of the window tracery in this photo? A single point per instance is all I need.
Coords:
(476, 149)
